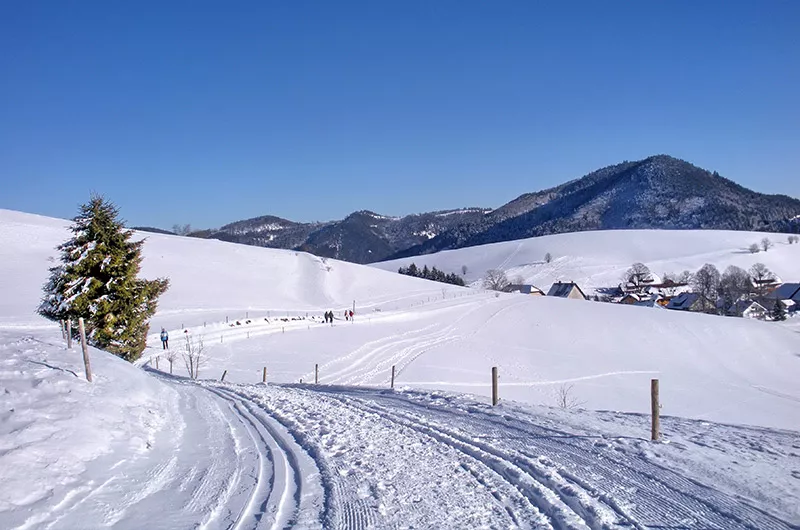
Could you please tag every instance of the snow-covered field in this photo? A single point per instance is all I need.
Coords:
(599, 259)
(138, 449)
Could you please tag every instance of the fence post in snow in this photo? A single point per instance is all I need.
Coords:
(85, 349)
(264, 376)
(495, 397)
(69, 334)
(392, 377)
(316, 374)
(63, 329)
(654, 409)
(223, 376)
(248, 334)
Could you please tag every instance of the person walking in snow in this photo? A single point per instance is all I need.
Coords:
(164, 339)
(351, 314)
(346, 317)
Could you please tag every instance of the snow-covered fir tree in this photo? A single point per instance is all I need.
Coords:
(97, 280)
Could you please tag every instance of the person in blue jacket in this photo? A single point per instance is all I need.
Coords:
(164, 339)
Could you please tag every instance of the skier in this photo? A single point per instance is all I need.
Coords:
(346, 315)
(164, 339)
(351, 314)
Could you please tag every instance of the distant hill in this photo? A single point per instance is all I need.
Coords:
(659, 192)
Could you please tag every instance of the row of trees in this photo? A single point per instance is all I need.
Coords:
(431, 274)
(97, 279)
(718, 292)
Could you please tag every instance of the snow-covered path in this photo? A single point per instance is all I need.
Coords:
(395, 459)
(222, 464)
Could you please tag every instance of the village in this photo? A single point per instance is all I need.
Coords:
(756, 293)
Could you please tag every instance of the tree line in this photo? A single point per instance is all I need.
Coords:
(432, 274)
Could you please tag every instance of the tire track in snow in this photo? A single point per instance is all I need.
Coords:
(278, 503)
(655, 494)
(548, 501)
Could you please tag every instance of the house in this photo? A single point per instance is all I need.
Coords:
(523, 288)
(685, 302)
(630, 299)
(566, 290)
(747, 308)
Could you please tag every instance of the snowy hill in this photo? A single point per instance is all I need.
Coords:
(599, 259)
(337, 455)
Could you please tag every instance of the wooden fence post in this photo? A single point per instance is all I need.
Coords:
(85, 349)
(654, 410)
(264, 376)
(316, 374)
(69, 334)
(223, 376)
(495, 397)
(392, 377)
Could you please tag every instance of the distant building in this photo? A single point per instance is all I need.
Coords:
(566, 290)
(685, 302)
(788, 293)
(523, 288)
(747, 308)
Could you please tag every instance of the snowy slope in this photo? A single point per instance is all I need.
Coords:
(600, 258)
(164, 452)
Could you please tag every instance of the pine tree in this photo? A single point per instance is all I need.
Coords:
(96, 280)
(778, 311)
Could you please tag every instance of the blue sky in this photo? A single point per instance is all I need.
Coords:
(208, 112)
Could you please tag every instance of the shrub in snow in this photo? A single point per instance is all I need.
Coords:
(754, 248)
(766, 244)
(96, 279)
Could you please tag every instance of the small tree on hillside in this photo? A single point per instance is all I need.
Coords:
(548, 258)
(754, 248)
(97, 280)
(194, 355)
(496, 280)
(766, 244)
(778, 312)
(182, 230)
(464, 270)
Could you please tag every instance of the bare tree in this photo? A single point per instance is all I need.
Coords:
(464, 270)
(685, 278)
(754, 248)
(496, 280)
(182, 230)
(548, 258)
(194, 355)
(761, 277)
(793, 239)
(565, 399)
(518, 280)
(734, 284)
(706, 284)
(171, 356)
(637, 275)
(766, 244)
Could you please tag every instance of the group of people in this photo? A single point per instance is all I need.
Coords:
(348, 315)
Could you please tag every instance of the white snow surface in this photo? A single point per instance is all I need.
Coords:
(139, 448)
(600, 258)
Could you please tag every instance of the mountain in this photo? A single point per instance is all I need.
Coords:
(361, 237)
(659, 192)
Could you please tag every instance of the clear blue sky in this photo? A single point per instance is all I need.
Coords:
(207, 112)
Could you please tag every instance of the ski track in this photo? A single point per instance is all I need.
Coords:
(575, 481)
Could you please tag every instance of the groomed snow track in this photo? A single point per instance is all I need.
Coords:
(394, 459)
